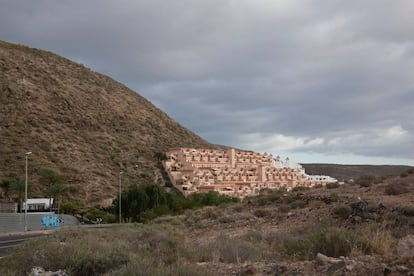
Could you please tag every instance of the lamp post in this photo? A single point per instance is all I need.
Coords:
(25, 195)
(120, 196)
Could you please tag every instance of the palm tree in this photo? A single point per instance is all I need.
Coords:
(49, 178)
(57, 191)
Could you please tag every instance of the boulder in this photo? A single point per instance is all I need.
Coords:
(406, 246)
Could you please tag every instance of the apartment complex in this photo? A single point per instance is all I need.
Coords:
(232, 172)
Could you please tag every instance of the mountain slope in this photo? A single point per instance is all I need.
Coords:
(346, 172)
(81, 123)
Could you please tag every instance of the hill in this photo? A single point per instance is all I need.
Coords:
(346, 172)
(82, 124)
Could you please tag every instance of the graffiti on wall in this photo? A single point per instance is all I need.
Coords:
(51, 221)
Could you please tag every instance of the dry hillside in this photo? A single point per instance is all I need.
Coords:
(347, 172)
(80, 123)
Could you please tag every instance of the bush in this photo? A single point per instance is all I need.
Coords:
(297, 204)
(332, 185)
(234, 250)
(210, 213)
(407, 210)
(335, 197)
(396, 189)
(342, 211)
(70, 207)
(227, 219)
(284, 208)
(299, 188)
(365, 180)
(260, 213)
(333, 242)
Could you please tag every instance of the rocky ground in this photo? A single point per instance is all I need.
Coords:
(364, 207)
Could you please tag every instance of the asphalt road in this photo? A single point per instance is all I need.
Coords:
(7, 242)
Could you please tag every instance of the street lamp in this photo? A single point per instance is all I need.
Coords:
(25, 195)
(120, 196)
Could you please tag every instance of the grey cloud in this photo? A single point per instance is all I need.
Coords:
(292, 70)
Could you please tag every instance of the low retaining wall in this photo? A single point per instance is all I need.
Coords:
(13, 222)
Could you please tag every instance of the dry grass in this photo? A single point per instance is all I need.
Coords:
(155, 250)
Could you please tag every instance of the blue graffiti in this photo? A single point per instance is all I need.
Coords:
(51, 221)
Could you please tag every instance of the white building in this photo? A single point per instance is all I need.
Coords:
(38, 204)
(324, 178)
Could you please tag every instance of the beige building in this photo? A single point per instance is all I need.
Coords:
(232, 172)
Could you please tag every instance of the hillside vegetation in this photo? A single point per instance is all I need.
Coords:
(343, 230)
(82, 124)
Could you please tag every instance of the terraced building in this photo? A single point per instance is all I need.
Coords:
(232, 172)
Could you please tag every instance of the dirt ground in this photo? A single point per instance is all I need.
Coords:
(310, 207)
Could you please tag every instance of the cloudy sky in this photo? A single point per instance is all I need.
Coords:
(318, 81)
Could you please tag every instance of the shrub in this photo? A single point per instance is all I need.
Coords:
(227, 219)
(261, 213)
(299, 188)
(70, 207)
(297, 204)
(333, 242)
(234, 250)
(210, 213)
(407, 210)
(342, 211)
(365, 180)
(403, 175)
(396, 189)
(284, 208)
(335, 197)
(332, 185)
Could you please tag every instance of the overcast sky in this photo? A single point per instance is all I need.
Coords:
(318, 81)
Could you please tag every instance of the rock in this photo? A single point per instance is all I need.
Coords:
(406, 246)
(40, 271)
(59, 273)
(322, 259)
(402, 268)
(37, 271)
(351, 265)
(387, 271)
(337, 266)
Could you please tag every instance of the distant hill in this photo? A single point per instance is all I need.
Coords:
(346, 172)
(80, 123)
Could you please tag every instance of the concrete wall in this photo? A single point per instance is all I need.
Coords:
(35, 221)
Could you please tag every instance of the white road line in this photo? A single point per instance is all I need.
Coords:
(16, 240)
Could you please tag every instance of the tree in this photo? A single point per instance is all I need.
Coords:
(71, 207)
(49, 178)
(19, 187)
(5, 186)
(57, 191)
(161, 156)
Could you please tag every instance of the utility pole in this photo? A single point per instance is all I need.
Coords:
(25, 195)
(120, 197)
